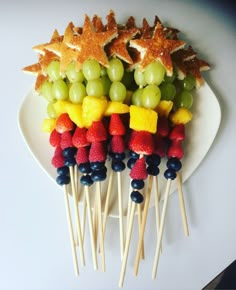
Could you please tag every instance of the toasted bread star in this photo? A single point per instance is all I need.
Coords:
(90, 43)
(40, 48)
(157, 48)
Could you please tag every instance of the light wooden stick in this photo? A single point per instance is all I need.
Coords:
(70, 226)
(84, 215)
(160, 235)
(143, 225)
(182, 204)
(95, 220)
(127, 244)
(156, 203)
(128, 208)
(77, 218)
(120, 206)
(91, 227)
(140, 226)
(107, 202)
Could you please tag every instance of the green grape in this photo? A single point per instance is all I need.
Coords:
(115, 70)
(51, 111)
(60, 90)
(46, 91)
(151, 96)
(139, 78)
(136, 98)
(188, 83)
(53, 70)
(74, 75)
(168, 91)
(184, 99)
(95, 88)
(91, 69)
(106, 84)
(77, 92)
(170, 79)
(154, 73)
(103, 71)
(117, 92)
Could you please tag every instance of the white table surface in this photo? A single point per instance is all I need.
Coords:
(34, 244)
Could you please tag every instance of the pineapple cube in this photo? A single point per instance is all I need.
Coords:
(93, 109)
(142, 119)
(75, 113)
(48, 125)
(181, 116)
(61, 107)
(164, 108)
(116, 107)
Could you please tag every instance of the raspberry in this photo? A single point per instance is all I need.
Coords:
(116, 126)
(66, 140)
(55, 138)
(175, 149)
(139, 170)
(97, 152)
(79, 138)
(117, 144)
(177, 132)
(82, 155)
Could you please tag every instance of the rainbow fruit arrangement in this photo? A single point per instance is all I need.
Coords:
(118, 101)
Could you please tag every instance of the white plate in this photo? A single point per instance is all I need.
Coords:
(200, 133)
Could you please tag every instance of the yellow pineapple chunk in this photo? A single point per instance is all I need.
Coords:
(142, 119)
(93, 109)
(48, 125)
(164, 108)
(116, 107)
(61, 107)
(181, 116)
(75, 113)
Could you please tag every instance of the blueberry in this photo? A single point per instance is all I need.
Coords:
(119, 156)
(117, 166)
(153, 159)
(133, 154)
(136, 196)
(64, 170)
(137, 183)
(99, 175)
(131, 162)
(63, 179)
(70, 161)
(86, 180)
(69, 152)
(97, 165)
(174, 163)
(170, 174)
(84, 167)
(153, 170)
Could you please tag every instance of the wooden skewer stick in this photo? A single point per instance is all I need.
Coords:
(156, 203)
(77, 218)
(182, 204)
(84, 215)
(143, 225)
(70, 225)
(128, 209)
(160, 235)
(120, 206)
(127, 244)
(140, 214)
(107, 202)
(95, 220)
(91, 227)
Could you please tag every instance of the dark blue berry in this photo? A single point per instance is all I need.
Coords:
(170, 174)
(63, 179)
(70, 161)
(119, 156)
(97, 165)
(137, 183)
(117, 166)
(136, 196)
(133, 154)
(69, 152)
(153, 170)
(131, 162)
(99, 175)
(86, 180)
(64, 170)
(84, 167)
(153, 159)
(174, 163)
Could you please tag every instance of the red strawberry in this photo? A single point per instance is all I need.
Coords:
(66, 140)
(96, 132)
(64, 123)
(116, 126)
(82, 155)
(175, 149)
(54, 138)
(97, 152)
(163, 126)
(160, 146)
(79, 138)
(177, 132)
(57, 159)
(117, 144)
(141, 142)
(139, 170)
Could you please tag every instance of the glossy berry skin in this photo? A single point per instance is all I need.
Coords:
(153, 170)
(64, 170)
(130, 162)
(99, 175)
(97, 165)
(63, 179)
(84, 167)
(153, 159)
(174, 163)
(86, 180)
(69, 152)
(136, 196)
(117, 166)
(170, 174)
(70, 161)
(137, 183)
(117, 156)
(133, 154)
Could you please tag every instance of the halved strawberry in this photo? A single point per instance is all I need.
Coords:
(54, 138)
(79, 138)
(175, 149)
(139, 170)
(177, 132)
(141, 142)
(96, 132)
(82, 155)
(116, 126)
(97, 152)
(64, 123)
(117, 144)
